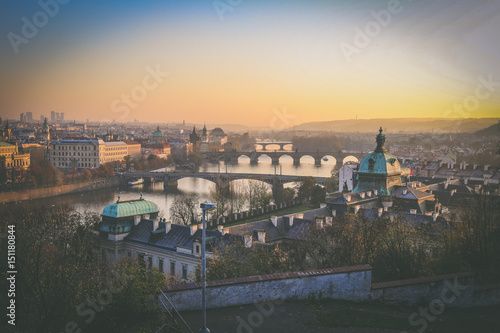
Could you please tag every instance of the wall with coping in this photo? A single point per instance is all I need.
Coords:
(349, 283)
(342, 283)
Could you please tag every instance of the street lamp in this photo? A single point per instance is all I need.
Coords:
(204, 329)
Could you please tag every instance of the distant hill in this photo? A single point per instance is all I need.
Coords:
(402, 125)
(490, 131)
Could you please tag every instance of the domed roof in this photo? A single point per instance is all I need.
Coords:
(129, 208)
(158, 133)
(380, 161)
(218, 132)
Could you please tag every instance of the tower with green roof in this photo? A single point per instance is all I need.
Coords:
(379, 171)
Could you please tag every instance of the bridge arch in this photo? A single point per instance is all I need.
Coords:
(331, 160)
(288, 158)
(307, 157)
(350, 158)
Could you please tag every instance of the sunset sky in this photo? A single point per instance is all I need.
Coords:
(259, 63)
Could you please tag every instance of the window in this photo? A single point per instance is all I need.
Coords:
(172, 268)
(184, 271)
(197, 249)
(160, 265)
(129, 254)
(198, 274)
(150, 262)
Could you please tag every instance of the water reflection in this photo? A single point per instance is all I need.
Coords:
(95, 201)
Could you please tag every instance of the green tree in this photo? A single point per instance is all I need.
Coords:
(128, 162)
(305, 187)
(133, 307)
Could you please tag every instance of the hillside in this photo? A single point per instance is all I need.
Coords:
(493, 130)
(402, 125)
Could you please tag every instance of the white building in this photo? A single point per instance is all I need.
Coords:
(87, 153)
(132, 229)
(347, 175)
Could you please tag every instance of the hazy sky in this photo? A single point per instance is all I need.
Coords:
(266, 63)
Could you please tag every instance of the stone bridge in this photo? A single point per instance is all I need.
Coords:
(281, 144)
(170, 178)
(232, 157)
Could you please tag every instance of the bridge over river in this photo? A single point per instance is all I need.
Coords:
(232, 157)
(170, 178)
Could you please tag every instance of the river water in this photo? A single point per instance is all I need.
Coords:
(95, 201)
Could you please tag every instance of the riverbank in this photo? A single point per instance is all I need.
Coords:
(53, 191)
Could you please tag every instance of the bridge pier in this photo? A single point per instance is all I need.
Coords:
(296, 160)
(275, 160)
(167, 183)
(317, 161)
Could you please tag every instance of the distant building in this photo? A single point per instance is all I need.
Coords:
(6, 132)
(88, 153)
(10, 157)
(29, 117)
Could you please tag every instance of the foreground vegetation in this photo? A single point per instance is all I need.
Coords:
(394, 247)
(62, 286)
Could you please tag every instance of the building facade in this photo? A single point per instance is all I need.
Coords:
(88, 153)
(132, 229)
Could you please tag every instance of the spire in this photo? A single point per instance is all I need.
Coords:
(380, 142)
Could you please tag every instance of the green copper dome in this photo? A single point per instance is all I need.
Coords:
(158, 133)
(129, 208)
(379, 170)
(380, 161)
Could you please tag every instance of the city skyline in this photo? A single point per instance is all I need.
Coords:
(250, 62)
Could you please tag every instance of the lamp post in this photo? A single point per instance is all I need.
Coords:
(204, 329)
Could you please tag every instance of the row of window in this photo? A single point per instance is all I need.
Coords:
(161, 265)
(79, 165)
(74, 154)
(74, 147)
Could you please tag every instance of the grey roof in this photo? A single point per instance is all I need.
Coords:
(179, 235)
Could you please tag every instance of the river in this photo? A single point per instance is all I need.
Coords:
(95, 201)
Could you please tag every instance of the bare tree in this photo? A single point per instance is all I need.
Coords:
(185, 209)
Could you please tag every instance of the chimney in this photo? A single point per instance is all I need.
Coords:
(290, 220)
(261, 236)
(413, 211)
(348, 198)
(380, 211)
(434, 216)
(405, 191)
(362, 195)
(156, 223)
(466, 180)
(137, 219)
(168, 226)
(356, 209)
(274, 219)
(248, 241)
(453, 192)
(475, 166)
(323, 205)
(193, 228)
(328, 220)
(220, 229)
(369, 194)
(486, 167)
(386, 209)
(334, 212)
(375, 192)
(319, 223)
